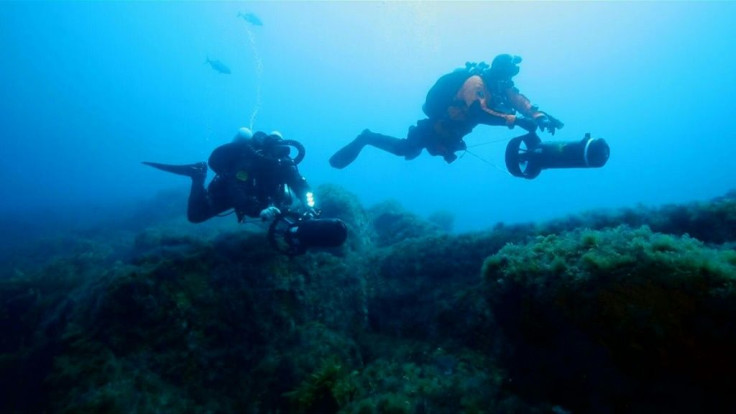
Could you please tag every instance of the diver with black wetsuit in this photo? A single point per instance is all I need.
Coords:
(256, 176)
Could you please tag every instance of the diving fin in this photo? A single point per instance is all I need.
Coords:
(195, 170)
(347, 154)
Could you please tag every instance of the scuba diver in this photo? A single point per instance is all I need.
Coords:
(256, 176)
(457, 103)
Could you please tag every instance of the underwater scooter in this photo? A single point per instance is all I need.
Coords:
(527, 155)
(292, 233)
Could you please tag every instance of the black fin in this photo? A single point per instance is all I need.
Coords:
(190, 170)
(347, 154)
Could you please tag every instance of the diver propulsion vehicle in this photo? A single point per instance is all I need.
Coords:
(292, 234)
(527, 155)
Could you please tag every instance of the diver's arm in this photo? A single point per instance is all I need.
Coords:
(522, 104)
(542, 119)
(475, 95)
(301, 188)
(491, 117)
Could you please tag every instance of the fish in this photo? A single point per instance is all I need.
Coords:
(218, 66)
(250, 18)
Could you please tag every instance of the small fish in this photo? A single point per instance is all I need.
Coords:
(218, 66)
(251, 18)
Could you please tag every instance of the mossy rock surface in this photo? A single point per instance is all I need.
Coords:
(624, 316)
(165, 316)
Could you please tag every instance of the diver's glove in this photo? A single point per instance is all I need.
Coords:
(530, 125)
(269, 213)
(548, 122)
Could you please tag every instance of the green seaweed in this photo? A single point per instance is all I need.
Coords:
(577, 314)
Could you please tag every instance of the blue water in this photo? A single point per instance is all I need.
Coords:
(91, 89)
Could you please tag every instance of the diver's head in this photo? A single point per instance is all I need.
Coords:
(504, 66)
(243, 134)
(273, 145)
(258, 138)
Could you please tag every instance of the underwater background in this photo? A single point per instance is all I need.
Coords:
(460, 289)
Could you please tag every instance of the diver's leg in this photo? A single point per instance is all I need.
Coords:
(207, 203)
(199, 205)
(348, 153)
(417, 138)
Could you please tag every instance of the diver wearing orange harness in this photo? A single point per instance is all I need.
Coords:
(457, 103)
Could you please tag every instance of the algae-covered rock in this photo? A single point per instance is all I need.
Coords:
(392, 224)
(712, 221)
(443, 219)
(35, 306)
(404, 377)
(227, 325)
(336, 202)
(175, 317)
(619, 320)
(427, 287)
(381, 225)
